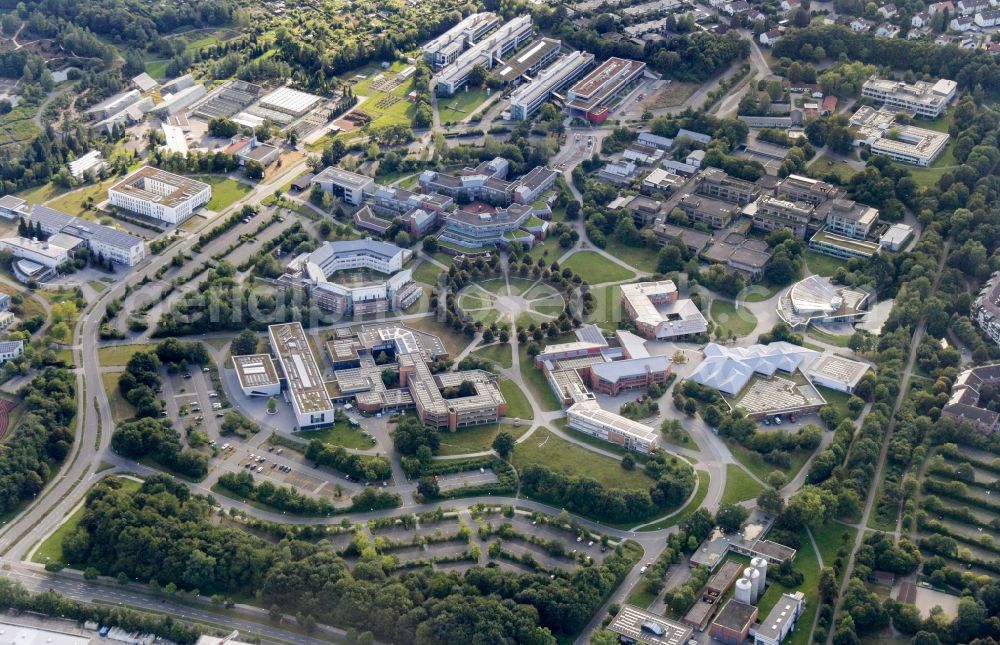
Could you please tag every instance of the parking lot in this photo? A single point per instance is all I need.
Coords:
(189, 399)
(468, 478)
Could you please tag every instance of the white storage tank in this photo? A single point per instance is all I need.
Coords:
(753, 576)
(760, 564)
(744, 591)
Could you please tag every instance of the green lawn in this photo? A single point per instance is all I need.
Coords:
(731, 320)
(50, 550)
(607, 312)
(157, 68)
(756, 464)
(392, 108)
(41, 194)
(427, 273)
(836, 400)
(499, 353)
(824, 265)
(594, 268)
(537, 383)
(518, 406)
(827, 164)
(637, 257)
(119, 355)
(72, 203)
(699, 497)
(830, 538)
(739, 485)
(840, 340)
(453, 109)
(225, 191)
(641, 596)
(341, 434)
(930, 175)
(546, 449)
(806, 562)
(759, 293)
(121, 410)
(475, 439)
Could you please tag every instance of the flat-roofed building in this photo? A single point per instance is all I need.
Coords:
(806, 189)
(486, 53)
(91, 162)
(473, 396)
(732, 625)
(713, 182)
(178, 102)
(658, 313)
(664, 181)
(303, 378)
(923, 99)
(590, 418)
(630, 623)
(349, 186)
(772, 214)
(906, 143)
(896, 236)
(617, 376)
(840, 246)
(485, 181)
(160, 195)
(837, 373)
(528, 98)
(257, 375)
(850, 218)
(531, 186)
(781, 620)
(707, 210)
(592, 97)
(444, 49)
(529, 61)
(12, 207)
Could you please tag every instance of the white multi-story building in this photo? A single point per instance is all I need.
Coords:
(906, 143)
(304, 380)
(526, 99)
(11, 349)
(444, 49)
(104, 241)
(355, 254)
(349, 186)
(257, 375)
(160, 195)
(485, 53)
(926, 100)
(780, 621)
(588, 417)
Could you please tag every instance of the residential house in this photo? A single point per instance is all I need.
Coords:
(921, 20)
(948, 6)
(961, 23)
(860, 24)
(887, 30)
(788, 5)
(695, 157)
(972, 7)
(768, 38)
(887, 11)
(987, 18)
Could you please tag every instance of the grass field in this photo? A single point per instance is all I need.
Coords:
(673, 95)
(518, 406)
(759, 293)
(386, 108)
(427, 273)
(72, 203)
(728, 319)
(823, 265)
(41, 194)
(827, 164)
(475, 439)
(501, 354)
(756, 464)
(341, 434)
(594, 268)
(453, 109)
(836, 400)
(225, 191)
(692, 506)
(121, 410)
(546, 449)
(638, 257)
(536, 382)
(739, 486)
(50, 550)
(607, 312)
(830, 538)
(119, 355)
(840, 340)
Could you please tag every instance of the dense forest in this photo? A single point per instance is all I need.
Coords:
(165, 533)
(41, 440)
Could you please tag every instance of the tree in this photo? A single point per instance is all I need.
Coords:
(223, 128)
(253, 169)
(730, 517)
(272, 405)
(812, 505)
(245, 343)
(427, 487)
(770, 500)
(504, 444)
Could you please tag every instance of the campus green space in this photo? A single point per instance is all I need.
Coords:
(756, 464)
(740, 486)
(543, 448)
(121, 410)
(518, 406)
(453, 109)
(730, 320)
(830, 538)
(827, 164)
(931, 174)
(822, 264)
(119, 355)
(537, 383)
(836, 400)
(465, 441)
(386, 108)
(638, 257)
(50, 550)
(594, 268)
(499, 353)
(427, 273)
(225, 191)
(74, 202)
(758, 293)
(339, 434)
(840, 340)
(607, 312)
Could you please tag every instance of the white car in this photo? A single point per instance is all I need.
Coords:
(260, 469)
(642, 570)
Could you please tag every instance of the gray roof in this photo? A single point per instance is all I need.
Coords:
(11, 345)
(51, 218)
(617, 370)
(691, 134)
(349, 247)
(11, 202)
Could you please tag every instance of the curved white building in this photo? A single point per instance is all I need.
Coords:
(817, 300)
